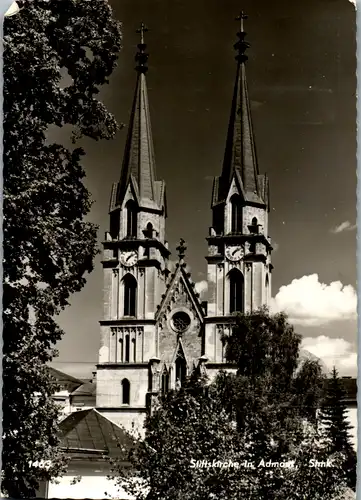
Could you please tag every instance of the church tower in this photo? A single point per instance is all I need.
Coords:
(239, 249)
(135, 256)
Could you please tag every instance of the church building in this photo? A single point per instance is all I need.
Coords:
(155, 330)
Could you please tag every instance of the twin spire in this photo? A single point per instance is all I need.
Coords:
(240, 154)
(139, 161)
(240, 157)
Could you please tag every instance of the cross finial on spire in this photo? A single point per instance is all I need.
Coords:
(242, 17)
(141, 56)
(181, 249)
(142, 29)
(241, 46)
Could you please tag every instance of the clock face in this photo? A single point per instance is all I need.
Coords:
(234, 253)
(129, 259)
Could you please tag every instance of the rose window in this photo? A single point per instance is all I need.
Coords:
(180, 321)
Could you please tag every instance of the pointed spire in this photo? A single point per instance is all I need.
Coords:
(240, 153)
(138, 161)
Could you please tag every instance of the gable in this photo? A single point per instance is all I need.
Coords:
(236, 187)
(180, 319)
(181, 293)
(131, 192)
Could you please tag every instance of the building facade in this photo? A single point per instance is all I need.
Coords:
(155, 330)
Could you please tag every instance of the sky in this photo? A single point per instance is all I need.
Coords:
(302, 84)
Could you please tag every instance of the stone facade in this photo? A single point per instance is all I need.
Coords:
(155, 331)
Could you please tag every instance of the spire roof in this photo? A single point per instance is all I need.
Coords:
(240, 154)
(139, 161)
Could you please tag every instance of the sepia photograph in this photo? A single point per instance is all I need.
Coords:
(179, 250)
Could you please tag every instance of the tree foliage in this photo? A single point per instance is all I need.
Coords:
(187, 427)
(269, 377)
(254, 416)
(48, 247)
(336, 428)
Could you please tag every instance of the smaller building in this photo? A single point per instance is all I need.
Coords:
(83, 397)
(89, 439)
(74, 394)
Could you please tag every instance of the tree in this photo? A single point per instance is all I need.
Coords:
(187, 427)
(48, 247)
(325, 481)
(269, 383)
(333, 419)
(192, 449)
(254, 417)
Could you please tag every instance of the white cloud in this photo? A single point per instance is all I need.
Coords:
(344, 226)
(333, 352)
(202, 287)
(309, 302)
(354, 2)
(275, 246)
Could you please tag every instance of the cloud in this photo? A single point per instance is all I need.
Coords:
(333, 352)
(309, 302)
(202, 288)
(275, 246)
(344, 226)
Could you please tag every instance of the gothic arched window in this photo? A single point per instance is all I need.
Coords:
(130, 295)
(180, 369)
(132, 211)
(223, 349)
(236, 291)
(218, 219)
(254, 226)
(114, 225)
(165, 381)
(125, 391)
(127, 348)
(121, 349)
(236, 214)
(134, 350)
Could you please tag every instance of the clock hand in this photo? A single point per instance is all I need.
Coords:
(129, 257)
(234, 251)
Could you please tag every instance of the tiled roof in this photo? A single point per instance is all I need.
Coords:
(160, 194)
(89, 431)
(240, 152)
(66, 381)
(138, 160)
(88, 388)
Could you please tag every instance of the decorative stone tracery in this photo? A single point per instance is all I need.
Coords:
(125, 341)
